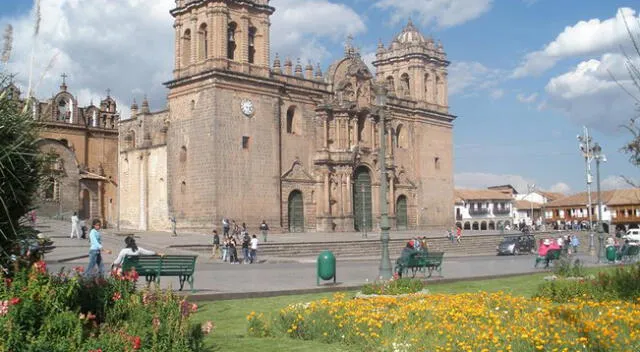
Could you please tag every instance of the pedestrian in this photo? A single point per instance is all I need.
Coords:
(95, 250)
(450, 235)
(173, 225)
(33, 217)
(83, 228)
(130, 249)
(459, 235)
(575, 242)
(225, 248)
(225, 227)
(264, 228)
(254, 250)
(245, 247)
(216, 245)
(75, 225)
(233, 251)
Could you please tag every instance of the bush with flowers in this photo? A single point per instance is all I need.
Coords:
(394, 286)
(65, 312)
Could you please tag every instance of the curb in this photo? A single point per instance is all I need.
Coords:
(64, 260)
(227, 296)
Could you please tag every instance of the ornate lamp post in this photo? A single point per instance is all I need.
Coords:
(599, 157)
(587, 152)
(385, 262)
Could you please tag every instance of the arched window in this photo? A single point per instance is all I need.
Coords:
(132, 139)
(64, 110)
(404, 83)
(50, 189)
(438, 90)
(183, 154)
(252, 46)
(427, 90)
(391, 85)
(186, 48)
(203, 42)
(361, 123)
(231, 40)
(401, 136)
(291, 120)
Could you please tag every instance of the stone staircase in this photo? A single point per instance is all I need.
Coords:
(472, 245)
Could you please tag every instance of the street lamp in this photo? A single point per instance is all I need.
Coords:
(587, 150)
(599, 157)
(530, 190)
(385, 262)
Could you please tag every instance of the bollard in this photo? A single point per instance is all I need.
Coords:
(326, 267)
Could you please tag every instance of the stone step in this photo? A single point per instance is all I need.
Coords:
(471, 245)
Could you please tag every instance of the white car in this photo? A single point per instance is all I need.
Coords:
(632, 235)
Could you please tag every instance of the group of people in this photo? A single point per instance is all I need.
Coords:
(568, 244)
(621, 250)
(232, 229)
(455, 234)
(229, 247)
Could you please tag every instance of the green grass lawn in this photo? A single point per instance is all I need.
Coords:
(229, 317)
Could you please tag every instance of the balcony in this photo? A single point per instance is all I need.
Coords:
(479, 211)
(504, 211)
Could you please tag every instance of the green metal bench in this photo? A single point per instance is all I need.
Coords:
(630, 254)
(152, 267)
(419, 261)
(552, 254)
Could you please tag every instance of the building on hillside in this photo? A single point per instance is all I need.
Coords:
(483, 209)
(248, 140)
(620, 209)
(83, 144)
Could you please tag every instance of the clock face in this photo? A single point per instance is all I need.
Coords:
(247, 107)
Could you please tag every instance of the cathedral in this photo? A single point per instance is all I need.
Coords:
(248, 139)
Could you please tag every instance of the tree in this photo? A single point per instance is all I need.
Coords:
(632, 148)
(20, 165)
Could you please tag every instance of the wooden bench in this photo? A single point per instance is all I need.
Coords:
(419, 261)
(552, 254)
(152, 267)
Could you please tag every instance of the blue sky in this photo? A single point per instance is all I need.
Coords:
(525, 74)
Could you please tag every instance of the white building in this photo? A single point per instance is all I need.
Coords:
(485, 209)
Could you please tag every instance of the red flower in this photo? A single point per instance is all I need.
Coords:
(137, 342)
(116, 296)
(14, 301)
(194, 308)
(7, 281)
(79, 269)
(40, 267)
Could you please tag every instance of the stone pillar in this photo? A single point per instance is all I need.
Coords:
(327, 194)
(354, 131)
(445, 89)
(194, 40)
(143, 192)
(265, 47)
(341, 192)
(178, 49)
(326, 132)
(372, 132)
(337, 139)
(243, 39)
(219, 28)
(392, 197)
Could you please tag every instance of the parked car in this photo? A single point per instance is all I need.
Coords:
(632, 235)
(514, 245)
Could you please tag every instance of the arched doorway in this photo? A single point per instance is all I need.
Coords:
(363, 219)
(475, 226)
(85, 212)
(402, 219)
(483, 226)
(296, 212)
(467, 226)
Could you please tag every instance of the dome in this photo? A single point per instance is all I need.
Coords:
(410, 34)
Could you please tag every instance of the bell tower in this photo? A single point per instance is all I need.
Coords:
(224, 35)
(414, 68)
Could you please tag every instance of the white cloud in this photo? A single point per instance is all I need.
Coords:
(527, 99)
(497, 94)
(594, 36)
(124, 45)
(368, 58)
(560, 187)
(469, 77)
(589, 95)
(297, 26)
(616, 182)
(444, 13)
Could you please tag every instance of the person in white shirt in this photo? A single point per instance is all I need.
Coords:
(254, 248)
(75, 226)
(130, 249)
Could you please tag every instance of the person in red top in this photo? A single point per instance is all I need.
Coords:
(459, 235)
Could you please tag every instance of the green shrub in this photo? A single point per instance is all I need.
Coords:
(565, 267)
(624, 282)
(394, 287)
(64, 312)
(562, 291)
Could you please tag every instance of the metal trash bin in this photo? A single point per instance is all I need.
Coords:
(326, 267)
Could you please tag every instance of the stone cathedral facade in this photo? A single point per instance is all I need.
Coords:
(246, 139)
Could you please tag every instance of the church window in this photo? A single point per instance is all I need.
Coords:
(183, 187)
(186, 48)
(401, 137)
(50, 189)
(252, 46)
(292, 120)
(438, 89)
(404, 81)
(64, 110)
(436, 163)
(426, 87)
(361, 124)
(231, 40)
(132, 139)
(391, 86)
(245, 142)
(193, 104)
(183, 154)
(203, 42)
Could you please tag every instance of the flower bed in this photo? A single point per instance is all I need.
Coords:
(64, 312)
(463, 322)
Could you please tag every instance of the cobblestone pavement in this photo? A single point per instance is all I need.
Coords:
(214, 276)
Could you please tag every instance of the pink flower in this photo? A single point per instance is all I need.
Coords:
(79, 269)
(207, 327)
(40, 267)
(137, 342)
(194, 308)
(14, 301)
(116, 296)
(4, 308)
(156, 322)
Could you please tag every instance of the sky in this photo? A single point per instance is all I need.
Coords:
(525, 75)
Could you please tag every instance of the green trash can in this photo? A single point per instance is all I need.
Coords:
(326, 265)
(611, 253)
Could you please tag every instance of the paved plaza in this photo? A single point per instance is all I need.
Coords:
(215, 278)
